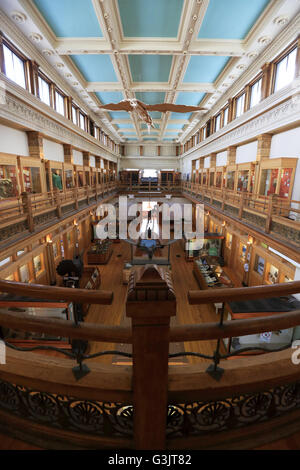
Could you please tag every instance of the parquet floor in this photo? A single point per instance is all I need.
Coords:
(183, 280)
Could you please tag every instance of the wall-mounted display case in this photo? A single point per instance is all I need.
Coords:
(231, 177)
(9, 180)
(276, 176)
(32, 173)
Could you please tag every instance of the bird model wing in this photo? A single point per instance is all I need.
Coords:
(176, 108)
(121, 106)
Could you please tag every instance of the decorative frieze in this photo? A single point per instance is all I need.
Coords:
(25, 115)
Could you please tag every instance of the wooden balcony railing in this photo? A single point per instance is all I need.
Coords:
(272, 214)
(29, 211)
(255, 400)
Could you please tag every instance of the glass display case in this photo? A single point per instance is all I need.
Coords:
(69, 175)
(243, 180)
(32, 179)
(219, 179)
(8, 181)
(230, 180)
(277, 177)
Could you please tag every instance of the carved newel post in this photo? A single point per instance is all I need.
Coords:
(150, 304)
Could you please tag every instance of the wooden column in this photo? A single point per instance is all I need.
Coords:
(247, 98)
(69, 108)
(86, 158)
(231, 155)
(33, 70)
(51, 263)
(230, 109)
(35, 144)
(263, 147)
(68, 153)
(150, 304)
(141, 150)
(2, 63)
(266, 80)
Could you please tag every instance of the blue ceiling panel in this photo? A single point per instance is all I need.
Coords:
(150, 97)
(155, 18)
(189, 98)
(205, 68)
(230, 19)
(125, 126)
(95, 67)
(70, 18)
(175, 126)
(150, 68)
(180, 116)
(119, 115)
(110, 96)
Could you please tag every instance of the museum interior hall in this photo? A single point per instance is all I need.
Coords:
(149, 225)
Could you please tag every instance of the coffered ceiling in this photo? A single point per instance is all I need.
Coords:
(177, 51)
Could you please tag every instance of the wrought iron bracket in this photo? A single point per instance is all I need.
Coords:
(215, 372)
(80, 371)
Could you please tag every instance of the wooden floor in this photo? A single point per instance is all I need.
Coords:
(183, 279)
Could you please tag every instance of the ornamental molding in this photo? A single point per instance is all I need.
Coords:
(280, 112)
(9, 28)
(17, 111)
(282, 40)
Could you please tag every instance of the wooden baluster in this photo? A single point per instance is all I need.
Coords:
(27, 208)
(76, 197)
(241, 207)
(150, 331)
(269, 213)
(57, 201)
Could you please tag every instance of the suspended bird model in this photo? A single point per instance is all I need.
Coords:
(149, 246)
(141, 109)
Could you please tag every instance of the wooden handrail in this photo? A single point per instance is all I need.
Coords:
(66, 328)
(229, 329)
(198, 297)
(58, 293)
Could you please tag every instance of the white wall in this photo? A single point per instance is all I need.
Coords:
(77, 157)
(168, 150)
(92, 161)
(286, 144)
(207, 162)
(246, 153)
(53, 151)
(13, 141)
(221, 159)
(150, 150)
(142, 163)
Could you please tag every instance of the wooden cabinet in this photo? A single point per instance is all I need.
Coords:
(276, 176)
(210, 275)
(99, 253)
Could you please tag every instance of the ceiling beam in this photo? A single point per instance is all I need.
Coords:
(150, 86)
